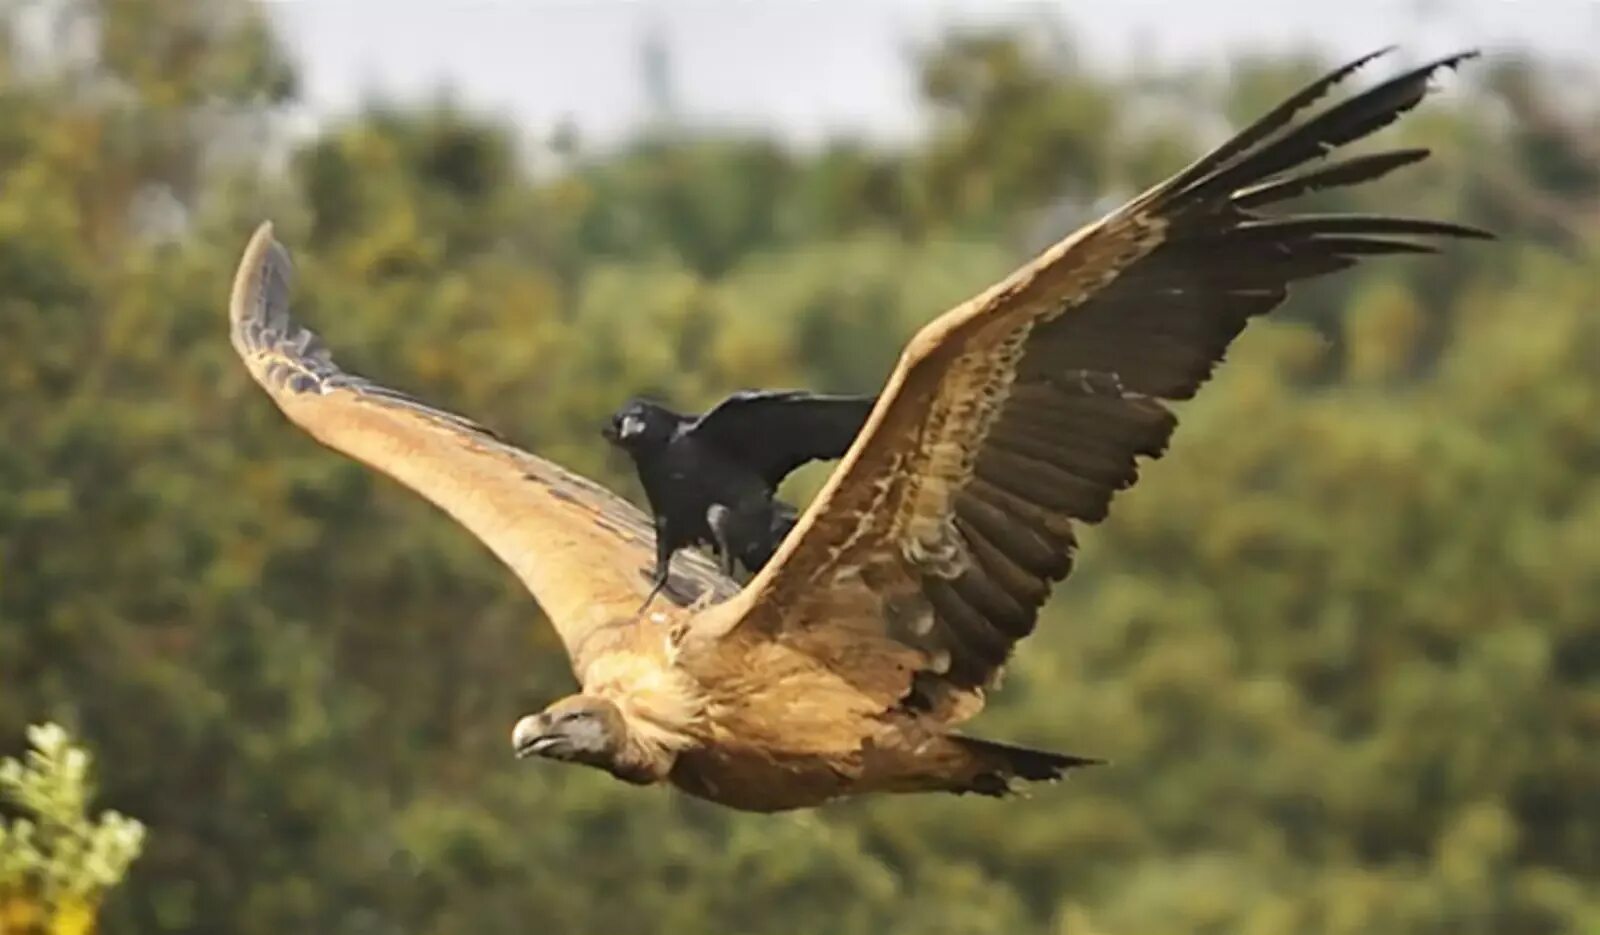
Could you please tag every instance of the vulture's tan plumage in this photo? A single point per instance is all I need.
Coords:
(1009, 421)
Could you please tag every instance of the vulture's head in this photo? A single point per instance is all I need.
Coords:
(577, 729)
(642, 426)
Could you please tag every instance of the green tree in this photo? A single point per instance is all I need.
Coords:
(1339, 644)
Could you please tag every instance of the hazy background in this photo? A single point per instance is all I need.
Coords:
(1342, 644)
(805, 70)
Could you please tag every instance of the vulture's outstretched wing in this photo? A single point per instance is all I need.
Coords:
(1019, 414)
(584, 552)
(772, 432)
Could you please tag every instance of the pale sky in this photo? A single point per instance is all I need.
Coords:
(813, 68)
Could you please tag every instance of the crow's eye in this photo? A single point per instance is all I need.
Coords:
(631, 425)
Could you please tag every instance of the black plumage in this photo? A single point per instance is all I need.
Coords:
(712, 479)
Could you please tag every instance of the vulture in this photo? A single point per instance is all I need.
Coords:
(1008, 424)
(712, 478)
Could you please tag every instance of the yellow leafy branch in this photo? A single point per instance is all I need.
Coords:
(56, 863)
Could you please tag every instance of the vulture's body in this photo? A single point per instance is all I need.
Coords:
(844, 665)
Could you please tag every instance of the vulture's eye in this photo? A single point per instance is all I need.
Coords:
(631, 425)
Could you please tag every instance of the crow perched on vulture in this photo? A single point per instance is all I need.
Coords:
(711, 479)
(1008, 424)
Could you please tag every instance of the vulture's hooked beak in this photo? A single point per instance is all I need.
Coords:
(528, 738)
(609, 433)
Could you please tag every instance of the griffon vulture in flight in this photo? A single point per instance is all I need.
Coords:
(1009, 421)
(712, 478)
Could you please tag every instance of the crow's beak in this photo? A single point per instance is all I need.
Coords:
(609, 433)
(529, 739)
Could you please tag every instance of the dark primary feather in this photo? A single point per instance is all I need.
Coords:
(1088, 399)
(772, 432)
(1346, 172)
(1284, 145)
(1276, 118)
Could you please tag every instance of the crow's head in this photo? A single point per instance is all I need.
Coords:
(641, 426)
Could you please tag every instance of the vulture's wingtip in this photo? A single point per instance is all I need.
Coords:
(260, 242)
(250, 263)
(260, 299)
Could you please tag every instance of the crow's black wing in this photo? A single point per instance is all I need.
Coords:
(772, 432)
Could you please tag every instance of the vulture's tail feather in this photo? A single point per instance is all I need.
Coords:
(997, 765)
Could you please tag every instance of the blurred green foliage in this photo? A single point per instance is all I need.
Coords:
(1342, 645)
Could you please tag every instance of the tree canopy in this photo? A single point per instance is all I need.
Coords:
(1342, 644)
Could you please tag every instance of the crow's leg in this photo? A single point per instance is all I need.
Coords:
(720, 519)
(658, 580)
(759, 547)
(756, 554)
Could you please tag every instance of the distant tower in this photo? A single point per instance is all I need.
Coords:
(655, 74)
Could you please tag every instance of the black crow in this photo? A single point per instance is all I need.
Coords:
(712, 478)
